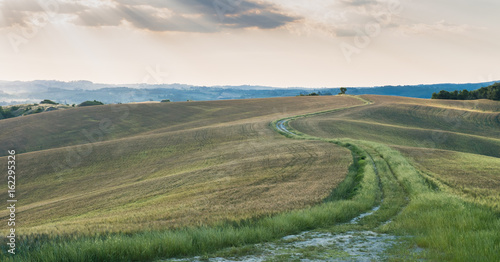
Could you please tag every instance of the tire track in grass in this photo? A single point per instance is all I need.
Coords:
(353, 240)
(359, 244)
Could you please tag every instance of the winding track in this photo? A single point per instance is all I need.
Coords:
(355, 243)
(393, 192)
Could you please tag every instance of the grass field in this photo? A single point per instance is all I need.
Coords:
(131, 168)
(85, 125)
(475, 177)
(453, 209)
(451, 125)
(184, 179)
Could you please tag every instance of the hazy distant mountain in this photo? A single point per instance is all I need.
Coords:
(75, 92)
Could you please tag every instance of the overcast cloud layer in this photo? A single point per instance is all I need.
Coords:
(154, 15)
(263, 42)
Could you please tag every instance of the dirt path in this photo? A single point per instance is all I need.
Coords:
(346, 244)
(317, 246)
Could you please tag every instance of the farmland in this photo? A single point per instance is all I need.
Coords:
(153, 181)
(445, 156)
(131, 168)
(471, 127)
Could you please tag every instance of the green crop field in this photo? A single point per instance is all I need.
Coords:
(452, 147)
(143, 182)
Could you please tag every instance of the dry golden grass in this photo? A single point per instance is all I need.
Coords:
(64, 128)
(211, 162)
(480, 105)
(452, 125)
(455, 142)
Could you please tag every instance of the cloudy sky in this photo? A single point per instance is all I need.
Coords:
(282, 43)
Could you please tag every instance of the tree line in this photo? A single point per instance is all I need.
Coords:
(491, 92)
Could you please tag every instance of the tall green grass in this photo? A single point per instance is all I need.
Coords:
(450, 228)
(446, 225)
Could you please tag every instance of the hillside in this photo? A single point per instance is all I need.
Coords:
(465, 126)
(99, 169)
(454, 143)
(315, 177)
(89, 124)
(438, 164)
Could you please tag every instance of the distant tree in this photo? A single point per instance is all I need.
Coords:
(313, 94)
(91, 103)
(4, 113)
(463, 95)
(342, 91)
(489, 92)
(47, 101)
(165, 100)
(494, 93)
(443, 94)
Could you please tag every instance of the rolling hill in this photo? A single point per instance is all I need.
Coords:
(152, 181)
(456, 142)
(125, 168)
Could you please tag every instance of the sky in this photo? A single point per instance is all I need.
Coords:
(280, 43)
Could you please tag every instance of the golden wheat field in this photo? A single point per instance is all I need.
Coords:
(127, 168)
(455, 142)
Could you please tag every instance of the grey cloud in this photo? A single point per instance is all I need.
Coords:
(187, 15)
(197, 6)
(17, 12)
(142, 19)
(359, 2)
(155, 15)
(264, 20)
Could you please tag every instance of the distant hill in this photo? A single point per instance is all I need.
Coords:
(12, 93)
